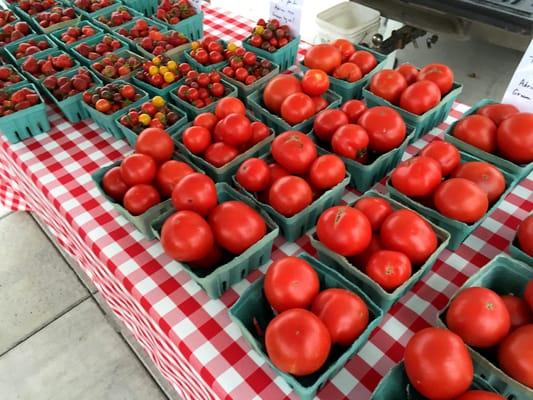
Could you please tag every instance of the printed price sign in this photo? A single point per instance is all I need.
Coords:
(197, 4)
(520, 89)
(288, 12)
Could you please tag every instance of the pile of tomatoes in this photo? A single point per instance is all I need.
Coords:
(221, 136)
(358, 133)
(436, 178)
(500, 129)
(309, 321)
(297, 176)
(524, 235)
(414, 91)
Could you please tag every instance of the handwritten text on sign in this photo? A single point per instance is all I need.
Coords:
(288, 12)
(520, 89)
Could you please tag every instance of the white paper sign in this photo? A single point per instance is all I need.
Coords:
(197, 4)
(520, 89)
(288, 12)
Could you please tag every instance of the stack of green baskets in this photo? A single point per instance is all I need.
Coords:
(284, 57)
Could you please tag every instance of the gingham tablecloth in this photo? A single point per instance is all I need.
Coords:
(188, 335)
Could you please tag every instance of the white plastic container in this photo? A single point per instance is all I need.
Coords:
(349, 20)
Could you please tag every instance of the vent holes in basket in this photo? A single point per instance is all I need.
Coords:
(224, 286)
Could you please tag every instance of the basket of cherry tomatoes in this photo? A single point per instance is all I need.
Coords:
(181, 16)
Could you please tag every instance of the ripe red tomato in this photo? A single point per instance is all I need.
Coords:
(197, 139)
(320, 103)
(276, 172)
(343, 312)
(253, 175)
(345, 46)
(388, 84)
(528, 294)
(219, 154)
(156, 143)
(137, 169)
(139, 198)
(169, 174)
(290, 195)
(385, 127)
(445, 153)
(409, 233)
(186, 236)
(294, 151)
(323, 56)
(498, 112)
(524, 235)
(438, 364)
(236, 130)
(259, 132)
(439, 74)
(211, 260)
(229, 105)
(297, 342)
(518, 310)
(417, 177)
(480, 395)
(296, 108)
(389, 269)
(315, 82)
(420, 97)
(486, 176)
(350, 141)
(236, 226)
(278, 89)
(327, 122)
(195, 192)
(478, 131)
(349, 72)
(113, 184)
(344, 230)
(207, 120)
(353, 110)
(515, 355)
(361, 259)
(515, 138)
(376, 210)
(461, 199)
(409, 72)
(327, 171)
(290, 282)
(364, 60)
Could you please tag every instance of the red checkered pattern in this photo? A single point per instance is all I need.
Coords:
(188, 335)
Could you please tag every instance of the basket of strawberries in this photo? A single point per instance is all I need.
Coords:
(96, 47)
(10, 77)
(31, 44)
(13, 32)
(39, 66)
(72, 35)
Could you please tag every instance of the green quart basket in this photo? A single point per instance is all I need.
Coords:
(11, 48)
(141, 222)
(43, 55)
(354, 90)
(284, 57)
(87, 14)
(216, 281)
(192, 27)
(252, 308)
(177, 53)
(205, 68)
(25, 123)
(106, 12)
(147, 7)
(384, 299)
(120, 53)
(56, 35)
(503, 275)
(129, 25)
(23, 81)
(93, 40)
(458, 230)
(517, 170)
(421, 124)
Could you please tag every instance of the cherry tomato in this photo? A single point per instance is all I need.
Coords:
(439, 74)
(353, 110)
(259, 132)
(236, 226)
(114, 185)
(326, 172)
(327, 122)
(139, 198)
(229, 105)
(320, 103)
(360, 260)
(296, 108)
(156, 143)
(515, 138)
(315, 82)
(294, 151)
(524, 235)
(290, 282)
(195, 192)
(364, 60)
(515, 355)
(197, 139)
(388, 84)
(137, 169)
(350, 141)
(478, 131)
(349, 72)
(253, 175)
(344, 230)
(169, 174)
(186, 236)
(323, 56)
(297, 342)
(345, 46)
(518, 311)
(207, 120)
(420, 97)
(409, 72)
(219, 154)
(385, 127)
(438, 364)
(276, 172)
(498, 112)
(343, 312)
(445, 153)
(278, 89)
(417, 177)
(236, 130)
(376, 210)
(290, 195)
(461, 199)
(103, 105)
(480, 395)
(486, 176)
(389, 269)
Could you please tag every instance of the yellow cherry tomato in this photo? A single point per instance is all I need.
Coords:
(172, 66)
(169, 77)
(163, 70)
(145, 119)
(156, 60)
(153, 70)
(160, 116)
(195, 45)
(158, 101)
(259, 29)
(232, 46)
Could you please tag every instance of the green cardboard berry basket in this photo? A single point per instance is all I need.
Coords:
(72, 107)
(141, 222)
(56, 35)
(155, 91)
(106, 12)
(504, 275)
(25, 123)
(17, 85)
(517, 170)
(60, 25)
(224, 173)
(131, 136)
(294, 227)
(252, 308)
(42, 55)
(216, 281)
(11, 48)
(119, 53)
(364, 176)
(88, 14)
(422, 124)
(30, 19)
(284, 57)
(192, 111)
(108, 122)
(354, 90)
(93, 40)
(147, 7)
(31, 33)
(205, 68)
(383, 298)
(458, 230)
(255, 103)
(192, 27)
(519, 254)
(176, 54)
(129, 25)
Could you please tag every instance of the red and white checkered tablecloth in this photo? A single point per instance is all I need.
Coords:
(188, 335)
